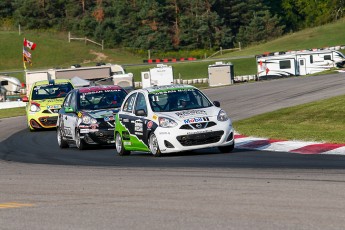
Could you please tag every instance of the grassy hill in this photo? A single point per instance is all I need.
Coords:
(54, 50)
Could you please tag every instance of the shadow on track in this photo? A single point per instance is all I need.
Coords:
(42, 148)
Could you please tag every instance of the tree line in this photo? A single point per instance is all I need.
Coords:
(172, 24)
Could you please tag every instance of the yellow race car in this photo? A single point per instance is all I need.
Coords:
(44, 101)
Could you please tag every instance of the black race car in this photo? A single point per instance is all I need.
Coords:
(87, 116)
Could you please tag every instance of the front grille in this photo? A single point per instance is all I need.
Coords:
(200, 138)
(48, 121)
(51, 111)
(201, 125)
(105, 124)
(102, 136)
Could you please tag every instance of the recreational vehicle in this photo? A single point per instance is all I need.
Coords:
(295, 63)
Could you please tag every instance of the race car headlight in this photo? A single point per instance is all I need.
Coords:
(165, 122)
(222, 116)
(35, 107)
(89, 120)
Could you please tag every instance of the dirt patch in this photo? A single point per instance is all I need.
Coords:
(100, 57)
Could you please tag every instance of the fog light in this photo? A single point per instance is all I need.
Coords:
(230, 137)
(168, 144)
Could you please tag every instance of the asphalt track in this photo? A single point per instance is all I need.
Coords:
(43, 187)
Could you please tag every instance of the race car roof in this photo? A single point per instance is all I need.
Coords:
(162, 88)
(99, 88)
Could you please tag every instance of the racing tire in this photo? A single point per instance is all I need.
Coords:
(80, 143)
(153, 145)
(120, 149)
(227, 148)
(61, 142)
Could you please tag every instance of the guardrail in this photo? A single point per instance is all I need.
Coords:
(86, 40)
(12, 104)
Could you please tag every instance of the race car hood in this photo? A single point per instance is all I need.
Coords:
(102, 113)
(191, 113)
(53, 103)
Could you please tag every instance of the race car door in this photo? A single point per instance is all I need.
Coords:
(69, 118)
(134, 125)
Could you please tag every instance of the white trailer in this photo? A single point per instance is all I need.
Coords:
(295, 63)
(160, 75)
(104, 74)
(220, 74)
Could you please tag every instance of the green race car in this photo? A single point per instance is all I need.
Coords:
(44, 101)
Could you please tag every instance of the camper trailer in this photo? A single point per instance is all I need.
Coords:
(295, 63)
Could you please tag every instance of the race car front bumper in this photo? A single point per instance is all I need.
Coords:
(176, 139)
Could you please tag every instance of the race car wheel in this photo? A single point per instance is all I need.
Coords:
(227, 149)
(119, 146)
(154, 147)
(62, 143)
(80, 143)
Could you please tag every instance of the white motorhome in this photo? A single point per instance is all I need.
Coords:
(103, 74)
(160, 75)
(295, 63)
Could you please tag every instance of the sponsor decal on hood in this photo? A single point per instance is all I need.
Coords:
(189, 113)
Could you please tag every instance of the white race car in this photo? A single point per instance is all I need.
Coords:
(171, 118)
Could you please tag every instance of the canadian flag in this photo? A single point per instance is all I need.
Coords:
(29, 44)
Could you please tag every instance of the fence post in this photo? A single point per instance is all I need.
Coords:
(149, 54)
(221, 51)
(19, 29)
(69, 36)
(85, 40)
(239, 45)
(102, 44)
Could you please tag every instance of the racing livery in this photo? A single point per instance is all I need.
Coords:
(171, 118)
(44, 102)
(87, 116)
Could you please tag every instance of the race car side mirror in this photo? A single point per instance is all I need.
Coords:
(140, 112)
(25, 99)
(216, 103)
(69, 110)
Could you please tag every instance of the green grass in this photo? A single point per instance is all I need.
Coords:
(13, 112)
(318, 121)
(319, 37)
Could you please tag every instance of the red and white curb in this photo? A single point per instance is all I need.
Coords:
(301, 147)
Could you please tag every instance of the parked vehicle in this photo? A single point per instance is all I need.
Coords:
(171, 118)
(87, 116)
(107, 74)
(44, 101)
(294, 63)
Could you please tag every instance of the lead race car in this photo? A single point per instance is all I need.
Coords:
(172, 118)
(87, 116)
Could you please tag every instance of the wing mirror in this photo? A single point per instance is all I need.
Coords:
(25, 99)
(69, 110)
(140, 112)
(216, 103)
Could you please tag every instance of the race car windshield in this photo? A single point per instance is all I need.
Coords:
(50, 91)
(108, 99)
(175, 100)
